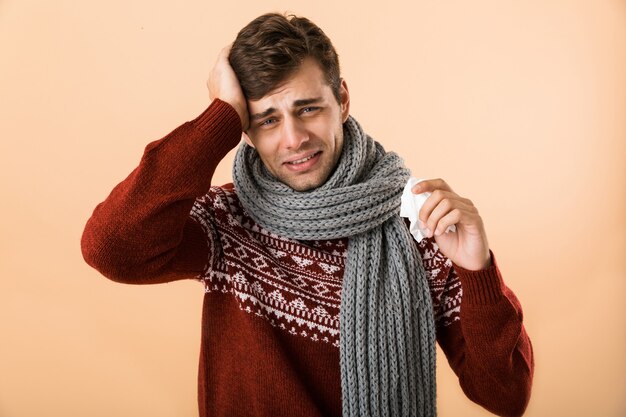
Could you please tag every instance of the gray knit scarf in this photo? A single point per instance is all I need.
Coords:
(387, 331)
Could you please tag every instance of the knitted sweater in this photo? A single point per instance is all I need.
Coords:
(270, 320)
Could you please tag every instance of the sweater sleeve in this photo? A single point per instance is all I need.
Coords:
(488, 347)
(142, 232)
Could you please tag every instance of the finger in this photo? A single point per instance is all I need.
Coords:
(451, 218)
(457, 216)
(443, 208)
(225, 52)
(433, 201)
(430, 186)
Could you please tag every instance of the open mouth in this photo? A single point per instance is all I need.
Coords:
(304, 164)
(300, 161)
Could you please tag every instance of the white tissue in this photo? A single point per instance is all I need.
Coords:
(410, 206)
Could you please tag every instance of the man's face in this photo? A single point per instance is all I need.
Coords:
(297, 128)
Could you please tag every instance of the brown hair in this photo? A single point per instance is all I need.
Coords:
(271, 48)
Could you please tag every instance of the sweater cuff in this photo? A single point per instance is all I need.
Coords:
(220, 117)
(481, 287)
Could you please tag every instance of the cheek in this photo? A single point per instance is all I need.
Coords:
(262, 142)
(325, 130)
(268, 152)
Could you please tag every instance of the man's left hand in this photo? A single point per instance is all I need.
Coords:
(468, 247)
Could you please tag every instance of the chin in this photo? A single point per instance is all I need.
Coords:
(304, 184)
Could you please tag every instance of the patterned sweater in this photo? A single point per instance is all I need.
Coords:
(270, 320)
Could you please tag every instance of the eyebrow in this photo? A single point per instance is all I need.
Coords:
(296, 103)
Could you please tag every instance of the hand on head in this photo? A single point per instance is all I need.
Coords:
(223, 84)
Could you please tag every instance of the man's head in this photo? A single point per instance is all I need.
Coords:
(271, 48)
(289, 73)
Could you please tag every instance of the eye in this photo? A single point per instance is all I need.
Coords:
(309, 109)
(268, 122)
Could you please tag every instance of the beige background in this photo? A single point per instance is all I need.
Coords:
(519, 105)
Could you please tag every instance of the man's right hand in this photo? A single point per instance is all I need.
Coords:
(223, 84)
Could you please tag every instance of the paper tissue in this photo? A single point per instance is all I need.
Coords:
(411, 205)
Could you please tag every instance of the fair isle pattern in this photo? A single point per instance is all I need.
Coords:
(444, 283)
(294, 285)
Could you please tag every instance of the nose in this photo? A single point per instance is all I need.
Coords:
(294, 133)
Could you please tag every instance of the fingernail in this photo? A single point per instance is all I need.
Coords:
(428, 233)
(437, 232)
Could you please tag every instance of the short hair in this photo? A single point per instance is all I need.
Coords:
(271, 48)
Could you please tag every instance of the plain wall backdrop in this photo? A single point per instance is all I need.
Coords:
(519, 105)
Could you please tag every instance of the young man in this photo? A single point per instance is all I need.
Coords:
(318, 302)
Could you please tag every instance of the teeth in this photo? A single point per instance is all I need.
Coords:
(299, 161)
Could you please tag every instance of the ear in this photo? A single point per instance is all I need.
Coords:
(247, 139)
(345, 100)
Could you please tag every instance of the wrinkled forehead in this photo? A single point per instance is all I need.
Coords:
(307, 82)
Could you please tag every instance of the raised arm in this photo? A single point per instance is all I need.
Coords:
(479, 319)
(142, 232)
(488, 348)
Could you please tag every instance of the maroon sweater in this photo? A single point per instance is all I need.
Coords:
(270, 320)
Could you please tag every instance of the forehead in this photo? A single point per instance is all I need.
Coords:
(307, 82)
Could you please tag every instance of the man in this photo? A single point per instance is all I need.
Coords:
(318, 302)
